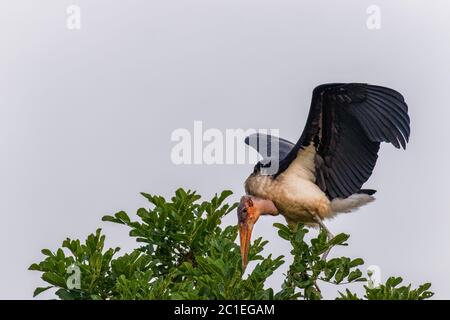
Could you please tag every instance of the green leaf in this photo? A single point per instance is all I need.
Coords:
(39, 290)
(34, 267)
(283, 231)
(339, 276)
(356, 274)
(47, 252)
(54, 279)
(110, 219)
(339, 239)
(64, 294)
(356, 262)
(393, 281)
(122, 216)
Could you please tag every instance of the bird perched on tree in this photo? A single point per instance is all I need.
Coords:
(322, 174)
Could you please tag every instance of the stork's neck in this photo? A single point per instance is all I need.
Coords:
(265, 206)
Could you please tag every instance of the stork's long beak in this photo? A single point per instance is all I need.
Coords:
(245, 233)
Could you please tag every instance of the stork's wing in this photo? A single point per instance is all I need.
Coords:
(346, 123)
(270, 147)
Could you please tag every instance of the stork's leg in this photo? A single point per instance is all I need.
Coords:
(324, 227)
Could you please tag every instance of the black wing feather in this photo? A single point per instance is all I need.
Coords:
(346, 124)
(401, 117)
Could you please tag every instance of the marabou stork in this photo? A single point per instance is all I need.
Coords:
(322, 174)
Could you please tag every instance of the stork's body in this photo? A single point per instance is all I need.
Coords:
(293, 192)
(297, 196)
(322, 174)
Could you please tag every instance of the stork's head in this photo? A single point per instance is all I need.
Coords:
(249, 210)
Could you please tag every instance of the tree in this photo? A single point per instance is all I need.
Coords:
(184, 253)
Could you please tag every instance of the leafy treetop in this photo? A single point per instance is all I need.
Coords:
(184, 253)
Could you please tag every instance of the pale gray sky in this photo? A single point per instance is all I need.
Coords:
(86, 115)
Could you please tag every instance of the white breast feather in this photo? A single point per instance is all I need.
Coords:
(303, 166)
